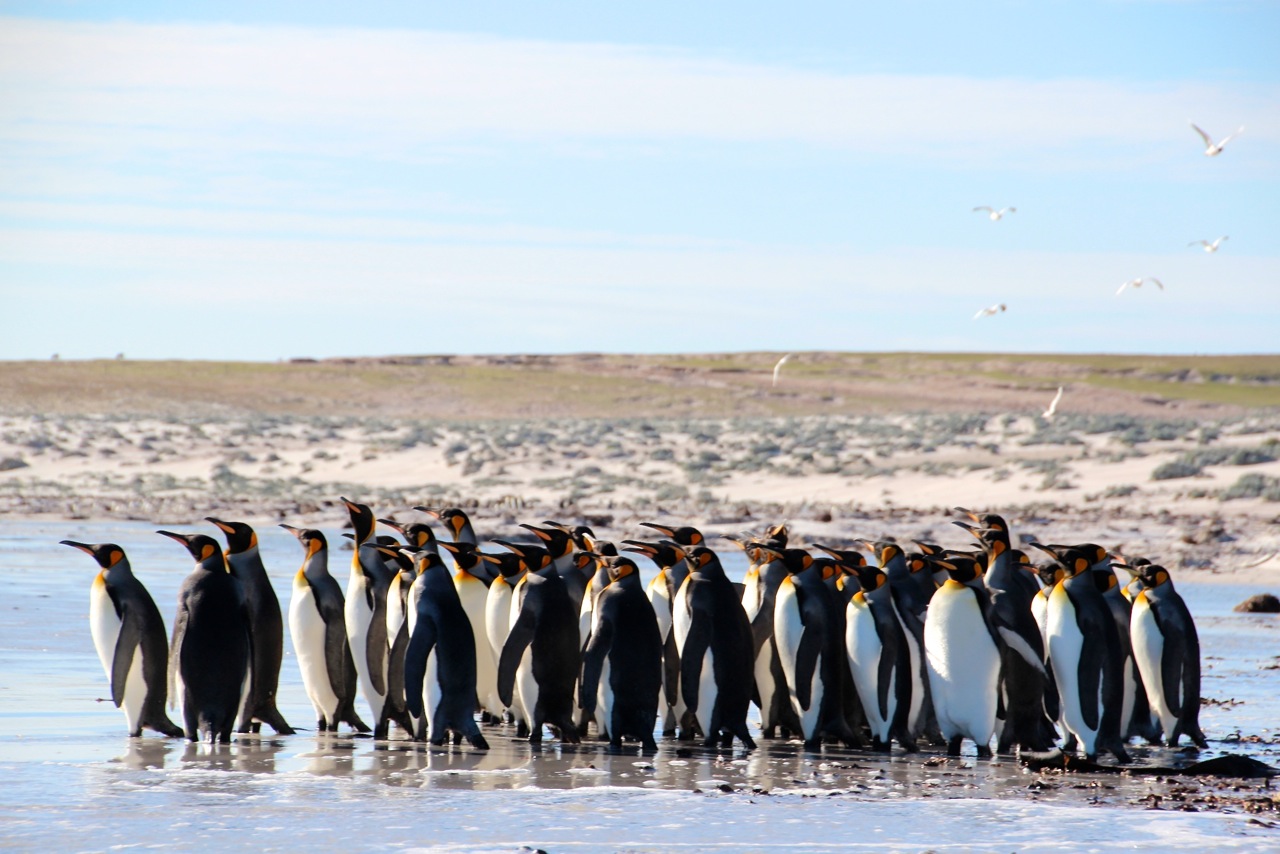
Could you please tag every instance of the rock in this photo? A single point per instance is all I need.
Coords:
(1263, 603)
(11, 463)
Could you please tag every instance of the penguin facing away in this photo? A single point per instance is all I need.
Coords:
(622, 666)
(962, 651)
(266, 626)
(129, 636)
(716, 654)
(209, 669)
(317, 625)
(440, 664)
(1167, 650)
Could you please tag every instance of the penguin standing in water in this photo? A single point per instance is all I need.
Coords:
(1167, 650)
(765, 574)
(878, 660)
(317, 624)
(1083, 652)
(1024, 676)
(909, 603)
(212, 650)
(366, 618)
(497, 604)
(128, 633)
(672, 570)
(266, 626)
(716, 654)
(962, 650)
(622, 667)
(440, 664)
(471, 581)
(810, 639)
(1135, 714)
(546, 628)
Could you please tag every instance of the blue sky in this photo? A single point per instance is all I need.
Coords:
(268, 180)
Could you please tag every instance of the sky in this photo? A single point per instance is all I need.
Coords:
(269, 180)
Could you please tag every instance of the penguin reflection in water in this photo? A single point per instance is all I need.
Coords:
(128, 633)
(622, 666)
(209, 668)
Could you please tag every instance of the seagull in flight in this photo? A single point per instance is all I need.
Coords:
(997, 215)
(1211, 148)
(778, 367)
(1137, 283)
(1053, 407)
(1209, 247)
(990, 310)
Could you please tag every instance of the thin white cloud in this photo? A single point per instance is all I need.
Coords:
(403, 94)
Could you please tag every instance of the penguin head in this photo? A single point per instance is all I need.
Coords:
(985, 520)
(398, 556)
(508, 564)
(465, 555)
(556, 540)
(777, 535)
(847, 558)
(961, 569)
(684, 536)
(534, 558)
(886, 551)
(703, 559)
(921, 566)
(995, 540)
(620, 568)
(240, 537)
(796, 560)
(928, 549)
(312, 541)
(202, 548)
(426, 560)
(870, 578)
(418, 535)
(455, 519)
(106, 554)
(1152, 576)
(664, 554)
(828, 569)
(362, 521)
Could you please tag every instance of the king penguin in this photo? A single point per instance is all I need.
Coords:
(878, 659)
(810, 639)
(672, 570)
(209, 670)
(713, 637)
(318, 627)
(440, 665)
(542, 650)
(128, 633)
(765, 574)
(622, 666)
(1167, 649)
(1083, 653)
(470, 581)
(366, 618)
(962, 650)
(266, 626)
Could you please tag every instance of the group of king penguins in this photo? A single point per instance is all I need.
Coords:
(558, 630)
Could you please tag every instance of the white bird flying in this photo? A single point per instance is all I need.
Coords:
(1211, 148)
(1209, 247)
(778, 367)
(1137, 283)
(1053, 407)
(990, 310)
(996, 215)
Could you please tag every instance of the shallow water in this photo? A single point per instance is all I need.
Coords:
(71, 779)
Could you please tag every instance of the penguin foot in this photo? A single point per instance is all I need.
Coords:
(478, 742)
(953, 746)
(984, 751)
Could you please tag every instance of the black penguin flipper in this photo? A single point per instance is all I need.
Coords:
(415, 663)
(695, 650)
(336, 655)
(376, 647)
(395, 668)
(1171, 661)
(890, 661)
(806, 664)
(518, 640)
(127, 643)
(671, 668)
(761, 629)
(593, 665)
(1089, 675)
